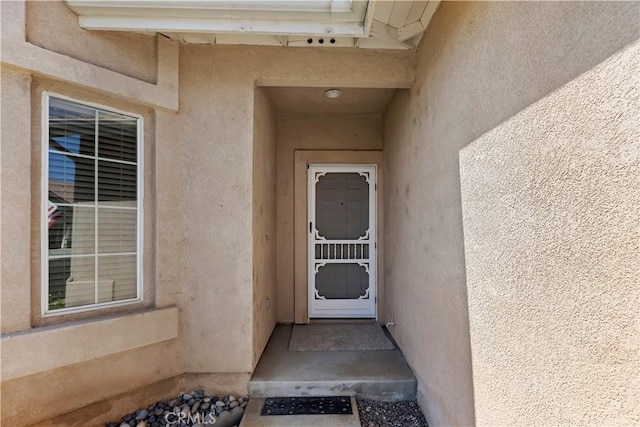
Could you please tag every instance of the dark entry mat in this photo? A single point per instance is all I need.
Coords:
(307, 405)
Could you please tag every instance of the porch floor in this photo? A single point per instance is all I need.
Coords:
(370, 374)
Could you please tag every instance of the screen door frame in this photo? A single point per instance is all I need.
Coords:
(342, 308)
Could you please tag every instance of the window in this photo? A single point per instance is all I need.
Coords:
(92, 210)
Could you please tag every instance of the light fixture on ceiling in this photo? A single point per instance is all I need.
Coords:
(333, 93)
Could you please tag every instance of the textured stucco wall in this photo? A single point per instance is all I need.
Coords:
(198, 194)
(32, 395)
(38, 385)
(53, 26)
(311, 132)
(479, 63)
(216, 117)
(216, 121)
(39, 397)
(15, 170)
(552, 244)
(264, 221)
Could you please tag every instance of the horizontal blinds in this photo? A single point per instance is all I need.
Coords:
(93, 185)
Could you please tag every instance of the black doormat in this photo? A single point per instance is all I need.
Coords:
(307, 405)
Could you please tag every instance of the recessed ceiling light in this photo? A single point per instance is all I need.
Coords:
(333, 93)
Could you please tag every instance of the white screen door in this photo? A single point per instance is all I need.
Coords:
(342, 241)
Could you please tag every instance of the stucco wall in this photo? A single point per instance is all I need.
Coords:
(264, 222)
(311, 132)
(216, 121)
(199, 196)
(15, 176)
(199, 202)
(550, 206)
(118, 358)
(216, 117)
(40, 397)
(478, 64)
(53, 26)
(39, 363)
(50, 371)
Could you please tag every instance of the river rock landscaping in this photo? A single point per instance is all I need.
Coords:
(188, 409)
(390, 414)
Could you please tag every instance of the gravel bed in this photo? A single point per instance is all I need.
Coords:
(194, 408)
(390, 414)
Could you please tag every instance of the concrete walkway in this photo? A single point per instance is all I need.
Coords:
(374, 374)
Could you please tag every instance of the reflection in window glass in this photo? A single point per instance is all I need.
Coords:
(92, 207)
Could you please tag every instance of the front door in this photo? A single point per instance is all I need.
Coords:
(342, 241)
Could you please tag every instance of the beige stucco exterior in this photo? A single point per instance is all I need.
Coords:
(264, 222)
(50, 371)
(552, 279)
(216, 120)
(55, 28)
(220, 212)
(479, 64)
(200, 202)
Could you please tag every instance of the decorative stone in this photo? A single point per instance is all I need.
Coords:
(237, 413)
(230, 418)
(196, 406)
(142, 414)
(225, 419)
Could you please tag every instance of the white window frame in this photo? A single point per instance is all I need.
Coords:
(44, 230)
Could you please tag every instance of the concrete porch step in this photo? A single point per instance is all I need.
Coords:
(252, 418)
(377, 375)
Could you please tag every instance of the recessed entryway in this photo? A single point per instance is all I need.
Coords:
(311, 129)
(346, 235)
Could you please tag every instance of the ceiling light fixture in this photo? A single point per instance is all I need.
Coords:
(333, 93)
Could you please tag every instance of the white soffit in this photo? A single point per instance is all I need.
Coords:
(330, 23)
